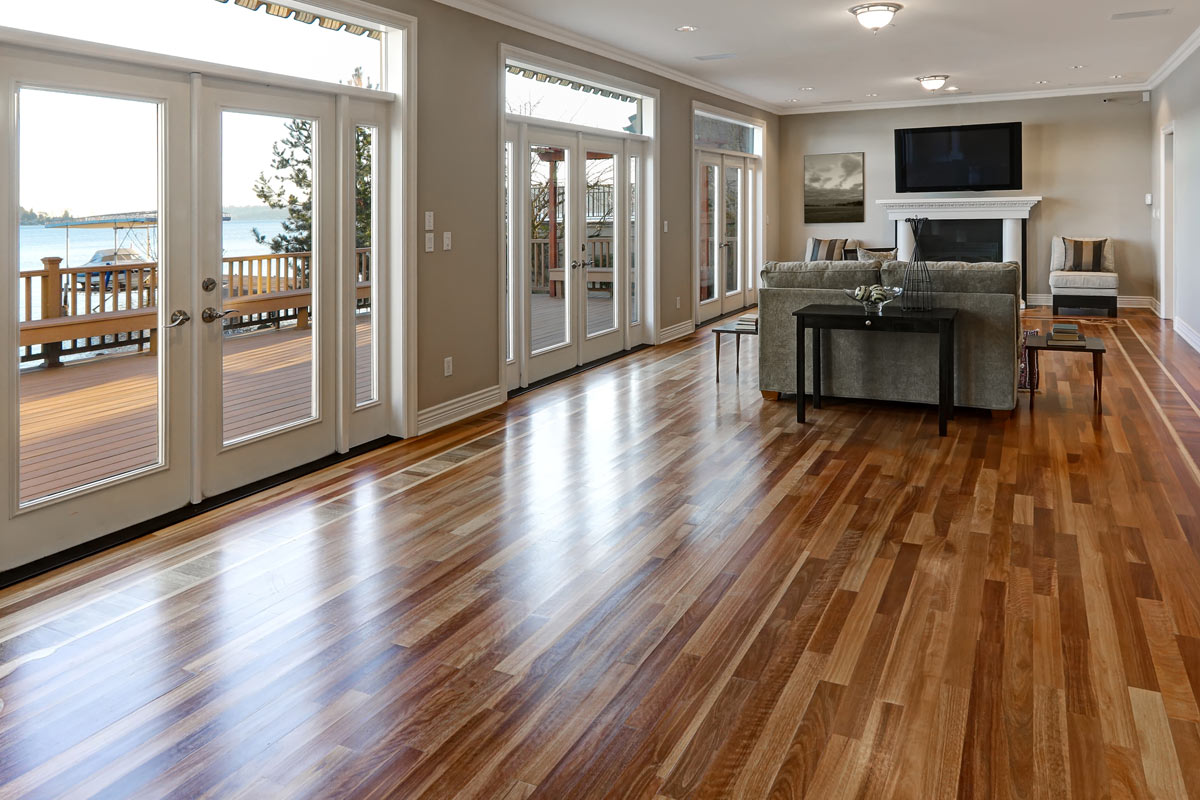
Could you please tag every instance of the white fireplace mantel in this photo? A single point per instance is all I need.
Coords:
(1012, 210)
(959, 207)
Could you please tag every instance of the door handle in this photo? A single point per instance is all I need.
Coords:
(574, 265)
(178, 318)
(210, 314)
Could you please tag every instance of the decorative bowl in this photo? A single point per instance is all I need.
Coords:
(874, 298)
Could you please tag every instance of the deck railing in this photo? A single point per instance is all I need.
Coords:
(70, 311)
(599, 250)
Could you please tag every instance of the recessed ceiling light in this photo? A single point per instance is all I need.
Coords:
(951, 89)
(1078, 66)
(806, 88)
(933, 82)
(1041, 83)
(793, 100)
(872, 94)
(1116, 77)
(687, 29)
(874, 16)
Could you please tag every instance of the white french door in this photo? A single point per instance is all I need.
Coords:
(162, 347)
(724, 223)
(95, 374)
(573, 248)
(268, 321)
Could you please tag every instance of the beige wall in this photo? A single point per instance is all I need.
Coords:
(458, 174)
(1177, 101)
(1086, 158)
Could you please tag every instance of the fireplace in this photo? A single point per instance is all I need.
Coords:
(962, 240)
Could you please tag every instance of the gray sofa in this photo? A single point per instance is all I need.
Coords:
(895, 366)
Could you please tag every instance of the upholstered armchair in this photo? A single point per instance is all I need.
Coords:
(1083, 274)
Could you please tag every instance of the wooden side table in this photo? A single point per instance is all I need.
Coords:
(738, 333)
(1093, 345)
(852, 318)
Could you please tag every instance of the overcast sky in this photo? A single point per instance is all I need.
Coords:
(836, 171)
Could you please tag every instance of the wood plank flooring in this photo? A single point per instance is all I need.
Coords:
(640, 583)
(87, 421)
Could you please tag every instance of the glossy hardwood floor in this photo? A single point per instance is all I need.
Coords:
(640, 583)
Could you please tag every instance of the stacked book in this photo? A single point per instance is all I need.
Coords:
(1065, 334)
(748, 322)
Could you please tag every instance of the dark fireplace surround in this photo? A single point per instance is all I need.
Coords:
(970, 240)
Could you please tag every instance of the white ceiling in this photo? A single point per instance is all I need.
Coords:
(988, 47)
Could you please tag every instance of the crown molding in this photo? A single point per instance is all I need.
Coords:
(523, 22)
(962, 99)
(1189, 46)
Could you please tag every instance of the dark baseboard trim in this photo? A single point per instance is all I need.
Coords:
(599, 362)
(80, 551)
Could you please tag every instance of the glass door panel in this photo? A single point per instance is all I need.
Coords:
(600, 257)
(732, 239)
(635, 237)
(268, 271)
(366, 259)
(88, 284)
(707, 244)
(550, 290)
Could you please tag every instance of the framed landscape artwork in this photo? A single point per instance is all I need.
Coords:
(833, 188)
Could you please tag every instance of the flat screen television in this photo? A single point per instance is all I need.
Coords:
(959, 158)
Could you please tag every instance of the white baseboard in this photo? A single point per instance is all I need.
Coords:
(1123, 301)
(459, 408)
(676, 332)
(1188, 334)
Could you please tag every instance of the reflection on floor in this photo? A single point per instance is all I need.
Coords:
(89, 421)
(548, 317)
(638, 582)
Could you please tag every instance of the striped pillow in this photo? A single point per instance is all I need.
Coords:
(1083, 255)
(827, 250)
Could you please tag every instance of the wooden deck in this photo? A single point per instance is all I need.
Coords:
(548, 313)
(89, 421)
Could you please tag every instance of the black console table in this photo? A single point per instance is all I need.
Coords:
(852, 318)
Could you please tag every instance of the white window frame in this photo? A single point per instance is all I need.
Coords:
(397, 290)
(645, 331)
(755, 220)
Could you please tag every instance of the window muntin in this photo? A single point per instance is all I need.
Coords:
(328, 48)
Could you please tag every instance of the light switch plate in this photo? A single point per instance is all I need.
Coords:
(428, 220)
(446, 240)
(429, 243)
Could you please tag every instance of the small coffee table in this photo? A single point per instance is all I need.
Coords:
(1093, 345)
(738, 333)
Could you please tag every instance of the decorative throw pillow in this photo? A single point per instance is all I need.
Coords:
(882, 256)
(827, 250)
(1083, 255)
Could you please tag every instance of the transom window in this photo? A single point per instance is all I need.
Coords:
(534, 92)
(711, 132)
(295, 39)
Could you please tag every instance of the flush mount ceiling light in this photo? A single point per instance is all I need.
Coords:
(687, 29)
(932, 83)
(874, 16)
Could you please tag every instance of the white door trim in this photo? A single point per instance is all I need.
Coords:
(1166, 223)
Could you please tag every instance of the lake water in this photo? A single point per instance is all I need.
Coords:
(38, 242)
